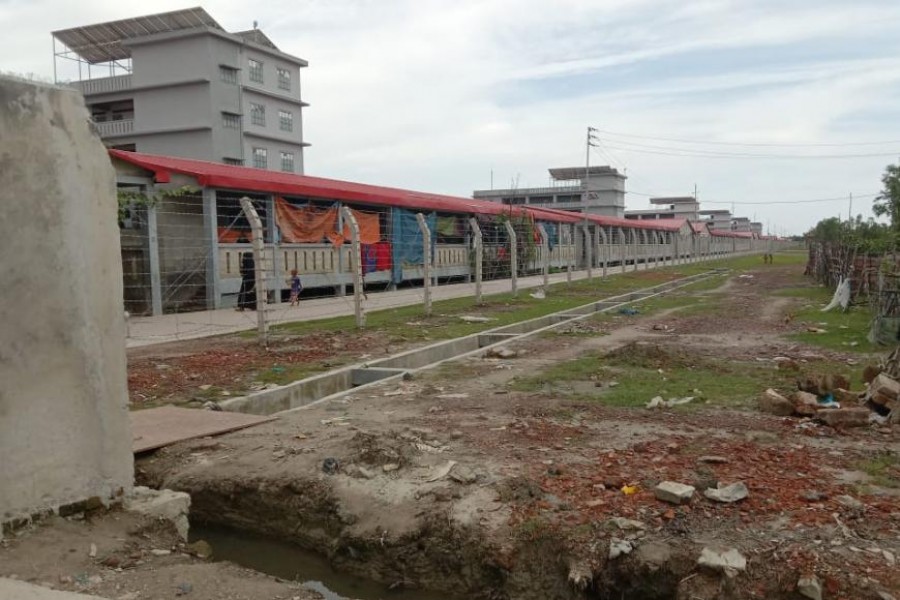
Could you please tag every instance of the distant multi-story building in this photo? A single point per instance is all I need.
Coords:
(718, 219)
(756, 227)
(604, 185)
(741, 224)
(675, 207)
(178, 84)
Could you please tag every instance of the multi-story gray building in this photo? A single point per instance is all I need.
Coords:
(718, 219)
(604, 185)
(178, 84)
(670, 207)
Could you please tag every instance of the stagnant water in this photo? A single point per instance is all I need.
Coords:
(287, 561)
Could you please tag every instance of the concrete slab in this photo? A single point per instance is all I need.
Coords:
(19, 590)
(157, 427)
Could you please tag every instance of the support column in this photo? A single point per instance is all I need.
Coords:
(677, 249)
(623, 248)
(211, 226)
(545, 257)
(570, 259)
(356, 268)
(153, 258)
(605, 254)
(513, 258)
(479, 257)
(588, 251)
(259, 258)
(426, 261)
(341, 288)
(634, 242)
(276, 266)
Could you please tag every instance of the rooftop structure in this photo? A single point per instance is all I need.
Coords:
(670, 207)
(719, 219)
(178, 83)
(604, 187)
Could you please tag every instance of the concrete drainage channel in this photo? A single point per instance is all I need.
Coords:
(328, 386)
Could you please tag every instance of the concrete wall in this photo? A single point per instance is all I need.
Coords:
(64, 430)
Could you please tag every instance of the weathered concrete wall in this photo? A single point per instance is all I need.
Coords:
(64, 430)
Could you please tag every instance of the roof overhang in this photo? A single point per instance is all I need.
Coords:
(107, 42)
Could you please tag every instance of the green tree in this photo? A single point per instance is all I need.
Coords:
(887, 203)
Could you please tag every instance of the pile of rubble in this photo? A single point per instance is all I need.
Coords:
(828, 399)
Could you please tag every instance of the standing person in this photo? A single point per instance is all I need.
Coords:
(247, 294)
(296, 288)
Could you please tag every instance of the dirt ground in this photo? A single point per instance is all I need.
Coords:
(474, 480)
(124, 556)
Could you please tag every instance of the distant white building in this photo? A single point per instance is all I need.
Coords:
(604, 185)
(674, 207)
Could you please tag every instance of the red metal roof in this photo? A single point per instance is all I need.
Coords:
(731, 234)
(216, 175)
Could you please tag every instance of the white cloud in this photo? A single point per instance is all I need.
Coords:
(432, 95)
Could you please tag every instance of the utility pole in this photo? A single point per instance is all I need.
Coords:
(591, 138)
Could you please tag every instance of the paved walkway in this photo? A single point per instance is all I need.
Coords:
(144, 331)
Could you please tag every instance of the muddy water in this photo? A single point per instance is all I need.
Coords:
(287, 561)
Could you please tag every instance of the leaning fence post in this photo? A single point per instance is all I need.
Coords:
(478, 240)
(513, 258)
(426, 261)
(260, 270)
(355, 267)
(545, 257)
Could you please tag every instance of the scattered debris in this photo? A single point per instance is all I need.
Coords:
(441, 472)
(658, 402)
(628, 311)
(844, 417)
(92, 552)
(330, 466)
(809, 587)
(463, 474)
(674, 492)
(729, 562)
(718, 460)
(390, 467)
(841, 296)
(335, 421)
(504, 353)
(850, 502)
(619, 548)
(627, 524)
(200, 549)
(160, 552)
(734, 492)
(538, 295)
(775, 404)
(476, 319)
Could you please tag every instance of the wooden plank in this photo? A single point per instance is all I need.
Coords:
(157, 427)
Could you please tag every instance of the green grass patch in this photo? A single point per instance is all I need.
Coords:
(884, 470)
(411, 325)
(643, 371)
(845, 331)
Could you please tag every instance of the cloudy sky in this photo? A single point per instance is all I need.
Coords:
(438, 94)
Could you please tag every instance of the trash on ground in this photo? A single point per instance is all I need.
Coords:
(658, 402)
(734, 492)
(629, 311)
(476, 319)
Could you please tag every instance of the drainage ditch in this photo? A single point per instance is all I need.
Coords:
(331, 385)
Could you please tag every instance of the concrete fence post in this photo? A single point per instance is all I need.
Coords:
(478, 241)
(545, 257)
(426, 261)
(355, 267)
(634, 245)
(513, 259)
(156, 302)
(605, 254)
(570, 252)
(259, 258)
(588, 251)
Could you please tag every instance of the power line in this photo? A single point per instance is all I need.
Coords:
(811, 201)
(697, 153)
(748, 144)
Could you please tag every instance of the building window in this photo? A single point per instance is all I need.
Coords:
(258, 114)
(284, 79)
(228, 74)
(231, 120)
(260, 158)
(285, 120)
(256, 71)
(235, 162)
(287, 162)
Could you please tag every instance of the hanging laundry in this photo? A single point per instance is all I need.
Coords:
(307, 224)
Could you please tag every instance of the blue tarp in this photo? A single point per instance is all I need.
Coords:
(552, 234)
(407, 240)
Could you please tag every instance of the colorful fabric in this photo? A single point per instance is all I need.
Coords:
(306, 225)
(368, 261)
(407, 240)
(230, 235)
(383, 256)
(369, 227)
(449, 227)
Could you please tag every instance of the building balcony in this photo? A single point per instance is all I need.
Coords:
(103, 85)
(115, 128)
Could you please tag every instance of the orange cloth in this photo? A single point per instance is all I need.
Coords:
(369, 227)
(306, 225)
(228, 235)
